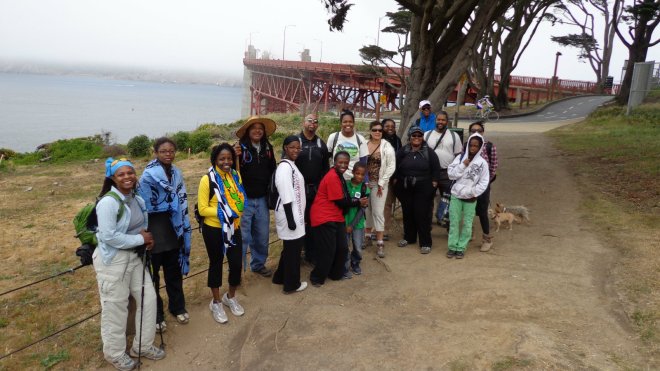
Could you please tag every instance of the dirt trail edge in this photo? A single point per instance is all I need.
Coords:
(541, 299)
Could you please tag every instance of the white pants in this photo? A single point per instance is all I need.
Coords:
(376, 209)
(116, 282)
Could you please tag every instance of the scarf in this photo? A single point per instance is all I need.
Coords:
(229, 208)
(161, 195)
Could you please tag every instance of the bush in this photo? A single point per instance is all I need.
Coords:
(74, 149)
(8, 153)
(182, 140)
(139, 146)
(200, 141)
(114, 150)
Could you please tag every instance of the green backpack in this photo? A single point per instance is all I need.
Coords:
(86, 224)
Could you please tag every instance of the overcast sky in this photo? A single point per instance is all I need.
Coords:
(211, 36)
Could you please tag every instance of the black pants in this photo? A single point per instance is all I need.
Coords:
(309, 245)
(169, 261)
(417, 206)
(332, 248)
(482, 210)
(288, 269)
(215, 250)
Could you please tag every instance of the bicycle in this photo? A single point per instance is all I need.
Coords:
(486, 114)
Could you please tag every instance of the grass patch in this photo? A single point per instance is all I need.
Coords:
(510, 362)
(53, 359)
(617, 158)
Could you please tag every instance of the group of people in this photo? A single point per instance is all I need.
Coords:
(332, 194)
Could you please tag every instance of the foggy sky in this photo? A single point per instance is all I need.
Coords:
(211, 36)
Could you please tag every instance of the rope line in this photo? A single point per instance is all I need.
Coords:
(70, 270)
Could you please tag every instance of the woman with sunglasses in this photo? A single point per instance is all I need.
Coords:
(381, 163)
(416, 179)
(122, 235)
(161, 186)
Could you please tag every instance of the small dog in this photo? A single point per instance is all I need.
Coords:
(520, 212)
(503, 217)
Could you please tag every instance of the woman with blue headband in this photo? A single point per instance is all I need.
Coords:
(119, 270)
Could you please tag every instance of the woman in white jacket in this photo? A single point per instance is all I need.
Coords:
(381, 163)
(122, 231)
(290, 217)
(469, 171)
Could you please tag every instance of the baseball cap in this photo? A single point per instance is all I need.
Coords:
(424, 103)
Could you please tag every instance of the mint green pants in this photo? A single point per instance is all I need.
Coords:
(459, 238)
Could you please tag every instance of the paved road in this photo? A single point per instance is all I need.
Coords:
(569, 109)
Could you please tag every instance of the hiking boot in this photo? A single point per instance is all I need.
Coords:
(487, 243)
(264, 272)
(236, 309)
(425, 249)
(347, 276)
(451, 254)
(460, 254)
(161, 327)
(357, 270)
(153, 353)
(402, 243)
(183, 318)
(123, 362)
(219, 314)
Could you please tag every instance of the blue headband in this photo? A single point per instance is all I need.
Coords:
(111, 165)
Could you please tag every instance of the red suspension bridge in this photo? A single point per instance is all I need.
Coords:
(293, 86)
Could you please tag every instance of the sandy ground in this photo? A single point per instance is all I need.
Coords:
(541, 299)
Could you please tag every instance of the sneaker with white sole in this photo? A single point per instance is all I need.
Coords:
(183, 318)
(123, 362)
(236, 309)
(425, 250)
(153, 353)
(219, 314)
(161, 327)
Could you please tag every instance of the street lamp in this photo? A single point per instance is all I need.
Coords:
(284, 38)
(378, 34)
(554, 76)
(321, 41)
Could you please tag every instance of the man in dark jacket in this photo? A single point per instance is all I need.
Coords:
(313, 163)
(256, 160)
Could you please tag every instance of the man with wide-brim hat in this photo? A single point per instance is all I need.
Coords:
(256, 160)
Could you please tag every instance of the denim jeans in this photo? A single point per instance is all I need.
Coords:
(255, 224)
(354, 255)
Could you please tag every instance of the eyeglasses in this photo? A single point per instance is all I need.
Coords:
(416, 135)
(166, 152)
(313, 121)
(115, 162)
(376, 130)
(425, 108)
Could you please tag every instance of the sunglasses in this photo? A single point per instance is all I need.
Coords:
(313, 121)
(425, 108)
(115, 162)
(376, 130)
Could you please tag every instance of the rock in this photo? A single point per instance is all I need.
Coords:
(28, 189)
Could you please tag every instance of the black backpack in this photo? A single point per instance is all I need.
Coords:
(273, 195)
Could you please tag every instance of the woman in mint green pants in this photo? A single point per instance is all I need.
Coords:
(469, 171)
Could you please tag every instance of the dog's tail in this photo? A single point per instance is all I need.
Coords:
(520, 211)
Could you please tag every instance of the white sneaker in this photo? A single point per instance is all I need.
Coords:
(236, 309)
(153, 353)
(219, 314)
(161, 327)
(303, 286)
(123, 362)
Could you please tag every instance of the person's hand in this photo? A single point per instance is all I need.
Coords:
(148, 239)
(237, 149)
(466, 162)
(349, 229)
(435, 184)
(380, 191)
(364, 202)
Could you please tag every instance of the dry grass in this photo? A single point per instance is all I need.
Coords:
(37, 241)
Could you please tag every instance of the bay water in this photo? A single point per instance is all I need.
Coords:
(38, 109)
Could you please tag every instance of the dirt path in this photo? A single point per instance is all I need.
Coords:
(540, 299)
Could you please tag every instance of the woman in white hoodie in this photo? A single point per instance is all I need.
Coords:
(469, 171)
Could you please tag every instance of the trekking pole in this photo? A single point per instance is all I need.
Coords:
(151, 274)
(144, 260)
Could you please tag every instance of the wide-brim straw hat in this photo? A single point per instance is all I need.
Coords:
(269, 125)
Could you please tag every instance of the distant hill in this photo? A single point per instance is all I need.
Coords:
(122, 73)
